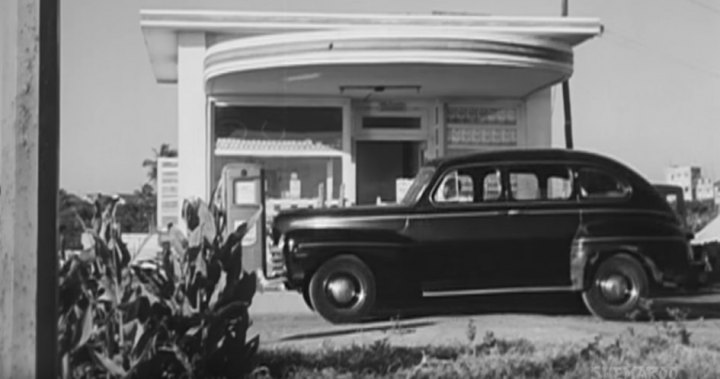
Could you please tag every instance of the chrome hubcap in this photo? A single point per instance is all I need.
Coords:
(343, 290)
(616, 288)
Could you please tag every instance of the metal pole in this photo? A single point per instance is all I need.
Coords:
(566, 97)
(46, 348)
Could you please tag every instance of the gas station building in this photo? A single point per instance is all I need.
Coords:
(344, 108)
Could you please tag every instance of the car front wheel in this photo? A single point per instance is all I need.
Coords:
(306, 297)
(617, 288)
(343, 290)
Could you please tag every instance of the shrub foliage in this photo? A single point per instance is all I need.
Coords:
(666, 352)
(184, 315)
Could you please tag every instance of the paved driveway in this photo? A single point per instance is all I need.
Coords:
(283, 320)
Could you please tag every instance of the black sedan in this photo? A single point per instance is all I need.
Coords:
(514, 221)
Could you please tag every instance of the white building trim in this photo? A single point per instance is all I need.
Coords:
(161, 28)
(193, 135)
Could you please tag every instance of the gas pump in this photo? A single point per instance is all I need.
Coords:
(241, 193)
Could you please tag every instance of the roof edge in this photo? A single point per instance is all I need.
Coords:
(228, 21)
(160, 27)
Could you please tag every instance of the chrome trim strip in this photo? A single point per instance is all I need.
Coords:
(306, 245)
(328, 221)
(627, 238)
(492, 291)
(532, 212)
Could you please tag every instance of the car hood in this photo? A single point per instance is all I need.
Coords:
(287, 218)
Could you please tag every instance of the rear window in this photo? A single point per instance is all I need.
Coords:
(542, 182)
(524, 186)
(598, 184)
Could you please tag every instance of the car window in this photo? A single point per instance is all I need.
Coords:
(540, 182)
(455, 187)
(597, 184)
(469, 185)
(559, 187)
(524, 186)
(492, 185)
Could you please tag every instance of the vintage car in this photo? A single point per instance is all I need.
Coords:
(515, 221)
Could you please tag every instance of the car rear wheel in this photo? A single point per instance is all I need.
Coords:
(617, 288)
(343, 290)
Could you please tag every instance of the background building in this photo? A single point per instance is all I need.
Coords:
(685, 177)
(695, 186)
(705, 190)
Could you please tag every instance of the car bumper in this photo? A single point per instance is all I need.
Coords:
(699, 270)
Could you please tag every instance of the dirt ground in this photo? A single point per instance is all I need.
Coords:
(283, 320)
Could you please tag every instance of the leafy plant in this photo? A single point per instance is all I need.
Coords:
(677, 329)
(630, 354)
(471, 331)
(182, 316)
(72, 210)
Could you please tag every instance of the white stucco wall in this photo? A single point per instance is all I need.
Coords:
(19, 128)
(539, 120)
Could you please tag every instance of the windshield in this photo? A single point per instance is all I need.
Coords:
(422, 179)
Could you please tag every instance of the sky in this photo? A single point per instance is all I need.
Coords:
(646, 92)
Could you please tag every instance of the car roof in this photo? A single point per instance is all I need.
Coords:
(528, 155)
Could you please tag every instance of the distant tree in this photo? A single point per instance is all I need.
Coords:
(150, 164)
(700, 213)
(73, 211)
(137, 215)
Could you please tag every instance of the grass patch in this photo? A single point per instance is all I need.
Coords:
(667, 352)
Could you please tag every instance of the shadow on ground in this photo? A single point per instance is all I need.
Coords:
(414, 318)
(546, 304)
(705, 304)
(697, 305)
(399, 328)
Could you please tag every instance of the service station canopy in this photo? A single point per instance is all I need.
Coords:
(301, 54)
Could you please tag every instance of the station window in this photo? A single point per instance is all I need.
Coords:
(298, 147)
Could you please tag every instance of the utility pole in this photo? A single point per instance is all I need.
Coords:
(566, 96)
(29, 131)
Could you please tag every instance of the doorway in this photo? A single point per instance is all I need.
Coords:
(379, 164)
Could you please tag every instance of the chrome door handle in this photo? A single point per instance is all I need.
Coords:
(513, 212)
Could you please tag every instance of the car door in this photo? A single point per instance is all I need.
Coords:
(543, 217)
(461, 231)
